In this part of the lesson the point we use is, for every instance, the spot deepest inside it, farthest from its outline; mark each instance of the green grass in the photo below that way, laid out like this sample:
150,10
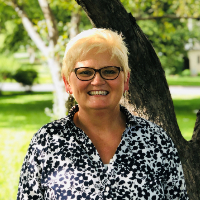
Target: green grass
186,108
183,80
23,114
20,117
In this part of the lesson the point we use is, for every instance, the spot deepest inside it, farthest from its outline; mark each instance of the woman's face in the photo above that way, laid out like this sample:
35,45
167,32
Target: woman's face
97,93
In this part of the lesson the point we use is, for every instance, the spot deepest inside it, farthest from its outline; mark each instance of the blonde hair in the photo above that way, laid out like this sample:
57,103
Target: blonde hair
100,40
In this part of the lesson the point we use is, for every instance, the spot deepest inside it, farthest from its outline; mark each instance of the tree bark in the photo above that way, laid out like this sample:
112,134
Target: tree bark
149,92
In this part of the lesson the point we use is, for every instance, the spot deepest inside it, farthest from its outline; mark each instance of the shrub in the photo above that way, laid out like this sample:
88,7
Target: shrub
172,64
185,72
25,76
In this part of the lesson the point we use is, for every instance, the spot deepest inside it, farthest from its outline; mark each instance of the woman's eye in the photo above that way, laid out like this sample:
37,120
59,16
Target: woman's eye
85,73
109,72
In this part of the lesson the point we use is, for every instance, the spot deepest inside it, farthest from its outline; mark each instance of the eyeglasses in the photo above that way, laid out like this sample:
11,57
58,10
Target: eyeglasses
88,73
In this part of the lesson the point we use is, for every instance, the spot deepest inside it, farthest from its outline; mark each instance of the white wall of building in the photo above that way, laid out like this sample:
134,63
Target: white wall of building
194,59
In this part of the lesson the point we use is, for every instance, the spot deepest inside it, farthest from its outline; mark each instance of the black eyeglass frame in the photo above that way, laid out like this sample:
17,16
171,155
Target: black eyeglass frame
97,70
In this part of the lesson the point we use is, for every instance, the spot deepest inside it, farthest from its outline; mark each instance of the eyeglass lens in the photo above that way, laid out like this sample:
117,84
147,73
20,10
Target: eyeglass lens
108,73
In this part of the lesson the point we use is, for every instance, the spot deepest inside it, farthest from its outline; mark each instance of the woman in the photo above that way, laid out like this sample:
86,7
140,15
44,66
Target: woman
100,150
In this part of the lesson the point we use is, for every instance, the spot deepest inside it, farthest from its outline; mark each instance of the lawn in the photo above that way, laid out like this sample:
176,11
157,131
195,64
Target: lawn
183,80
20,117
186,108
23,114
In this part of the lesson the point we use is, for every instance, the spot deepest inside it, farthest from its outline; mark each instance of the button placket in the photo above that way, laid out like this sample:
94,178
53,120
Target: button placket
108,179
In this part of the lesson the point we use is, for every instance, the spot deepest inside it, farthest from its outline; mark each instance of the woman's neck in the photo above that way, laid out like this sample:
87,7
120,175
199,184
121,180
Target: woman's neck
100,121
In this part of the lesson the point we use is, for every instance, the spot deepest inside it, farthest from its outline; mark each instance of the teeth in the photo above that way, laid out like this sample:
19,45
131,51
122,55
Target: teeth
98,93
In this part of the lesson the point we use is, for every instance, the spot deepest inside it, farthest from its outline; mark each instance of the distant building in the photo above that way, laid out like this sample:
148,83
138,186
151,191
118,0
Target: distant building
194,59
193,48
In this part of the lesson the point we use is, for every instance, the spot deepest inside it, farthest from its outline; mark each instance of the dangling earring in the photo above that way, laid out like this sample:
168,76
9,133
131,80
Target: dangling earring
70,96
70,102
125,96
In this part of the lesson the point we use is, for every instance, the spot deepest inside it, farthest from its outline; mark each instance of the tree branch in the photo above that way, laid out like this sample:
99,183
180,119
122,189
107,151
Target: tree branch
30,28
165,16
50,20
74,24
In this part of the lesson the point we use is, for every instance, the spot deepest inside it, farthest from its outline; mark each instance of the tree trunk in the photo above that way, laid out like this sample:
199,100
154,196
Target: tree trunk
59,108
149,92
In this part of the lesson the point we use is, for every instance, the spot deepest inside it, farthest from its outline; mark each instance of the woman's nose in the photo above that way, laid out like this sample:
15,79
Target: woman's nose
97,79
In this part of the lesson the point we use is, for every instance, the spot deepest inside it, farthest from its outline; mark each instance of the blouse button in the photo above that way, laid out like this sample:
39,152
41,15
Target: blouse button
107,189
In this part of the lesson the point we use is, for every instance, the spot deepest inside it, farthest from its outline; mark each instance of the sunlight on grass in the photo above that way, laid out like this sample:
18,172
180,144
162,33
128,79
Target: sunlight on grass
183,80
13,147
21,116
21,99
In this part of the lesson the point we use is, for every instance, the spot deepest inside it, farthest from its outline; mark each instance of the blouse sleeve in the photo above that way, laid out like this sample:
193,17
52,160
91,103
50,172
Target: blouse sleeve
30,176
174,187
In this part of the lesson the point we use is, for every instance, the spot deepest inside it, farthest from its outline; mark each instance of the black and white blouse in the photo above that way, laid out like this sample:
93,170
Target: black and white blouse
62,163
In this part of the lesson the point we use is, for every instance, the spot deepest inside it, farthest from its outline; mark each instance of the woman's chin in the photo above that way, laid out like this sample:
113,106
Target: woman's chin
100,105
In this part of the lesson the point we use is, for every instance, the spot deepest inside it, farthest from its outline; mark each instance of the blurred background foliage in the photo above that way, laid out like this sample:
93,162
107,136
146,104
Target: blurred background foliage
164,22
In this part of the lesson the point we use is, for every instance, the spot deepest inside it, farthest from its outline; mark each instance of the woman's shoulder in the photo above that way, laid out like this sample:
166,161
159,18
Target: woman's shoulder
144,123
149,131
56,124
60,128
139,122
51,129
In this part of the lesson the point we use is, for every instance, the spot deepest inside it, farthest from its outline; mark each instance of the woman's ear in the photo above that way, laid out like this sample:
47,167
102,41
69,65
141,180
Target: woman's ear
67,85
126,83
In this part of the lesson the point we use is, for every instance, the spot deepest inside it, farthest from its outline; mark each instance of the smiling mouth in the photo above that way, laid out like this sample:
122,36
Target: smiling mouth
98,93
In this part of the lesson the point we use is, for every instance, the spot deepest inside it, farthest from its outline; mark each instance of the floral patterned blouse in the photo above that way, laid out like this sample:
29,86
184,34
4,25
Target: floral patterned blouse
62,163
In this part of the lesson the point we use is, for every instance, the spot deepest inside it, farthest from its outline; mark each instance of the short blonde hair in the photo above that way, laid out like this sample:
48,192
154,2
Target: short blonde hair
101,40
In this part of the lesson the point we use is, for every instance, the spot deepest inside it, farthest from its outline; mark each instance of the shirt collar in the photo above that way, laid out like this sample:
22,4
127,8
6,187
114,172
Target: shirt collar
84,141
130,119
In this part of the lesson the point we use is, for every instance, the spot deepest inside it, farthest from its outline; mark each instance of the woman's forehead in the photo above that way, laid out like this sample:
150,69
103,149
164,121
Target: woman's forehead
97,59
